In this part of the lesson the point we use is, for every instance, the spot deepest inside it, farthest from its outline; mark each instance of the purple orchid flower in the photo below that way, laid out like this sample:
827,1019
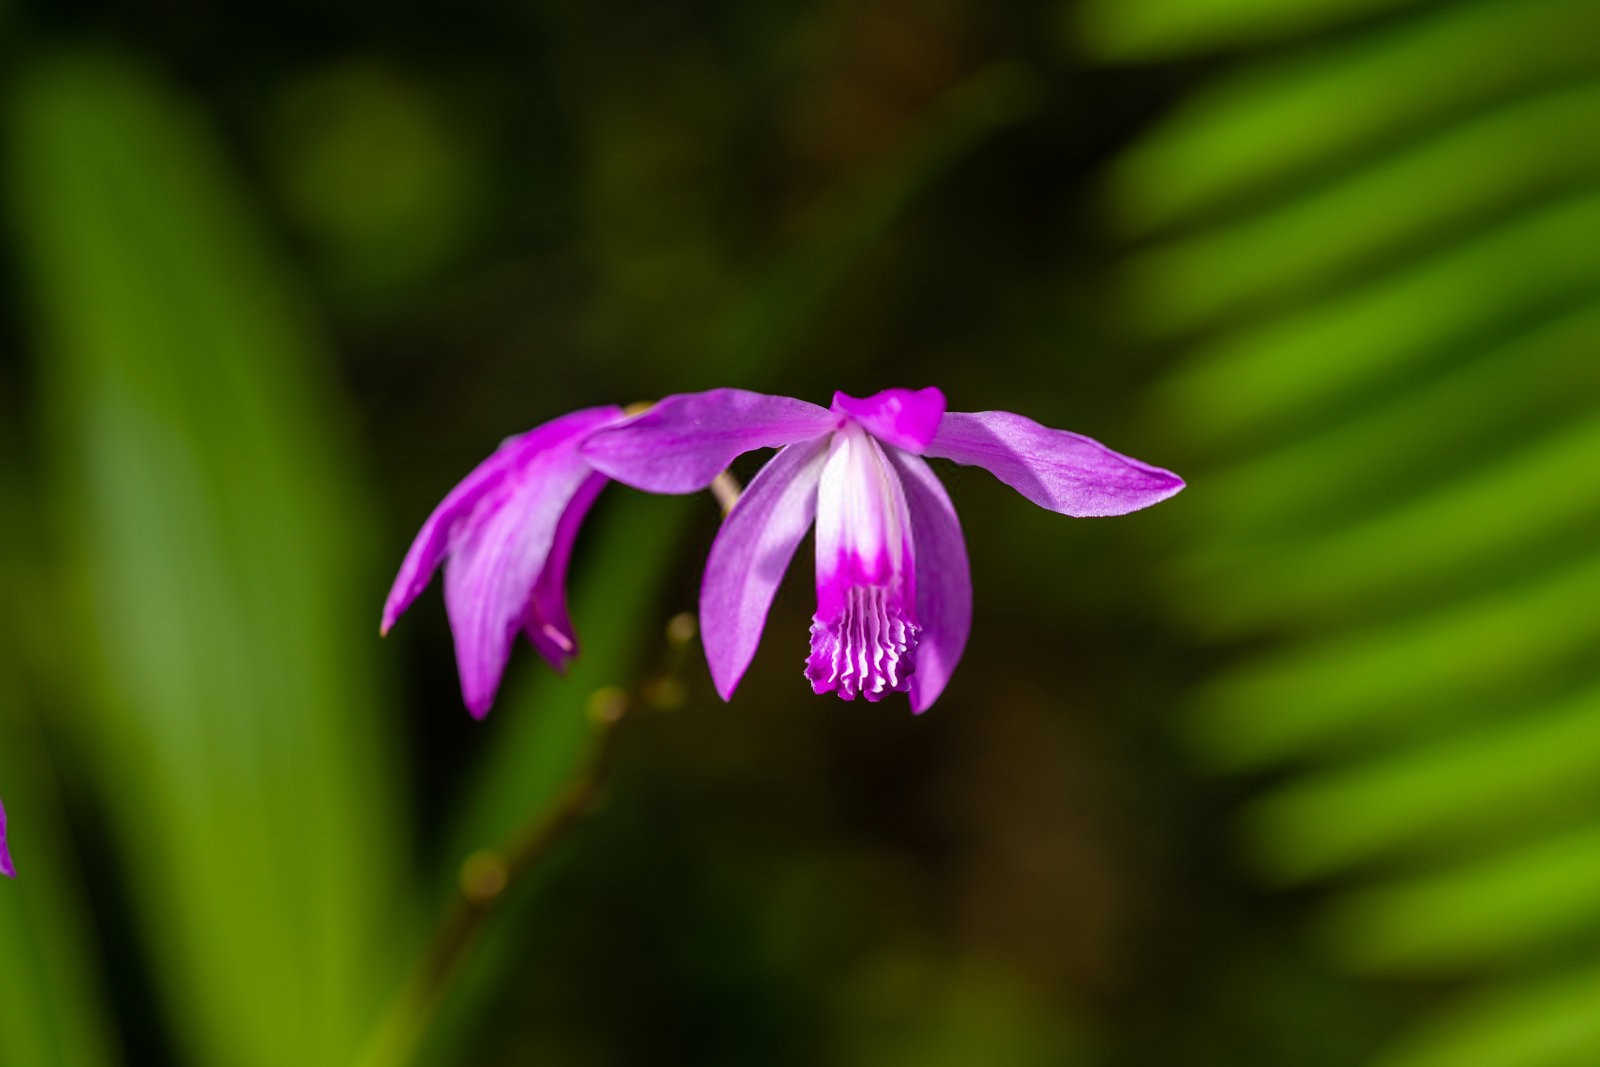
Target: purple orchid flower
7,868
894,594
505,535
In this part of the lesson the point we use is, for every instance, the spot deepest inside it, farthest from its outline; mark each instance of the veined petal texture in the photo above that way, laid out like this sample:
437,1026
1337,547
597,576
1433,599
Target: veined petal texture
1056,469
864,634
682,443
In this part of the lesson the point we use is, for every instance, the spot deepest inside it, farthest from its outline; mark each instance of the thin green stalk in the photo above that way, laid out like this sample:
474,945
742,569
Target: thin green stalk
485,877
487,874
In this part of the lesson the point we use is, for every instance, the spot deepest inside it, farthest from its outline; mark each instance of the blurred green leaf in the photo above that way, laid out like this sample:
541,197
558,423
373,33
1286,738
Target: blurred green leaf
1268,377
1402,445
1155,27
1375,259
1343,684
1342,101
1353,570
1502,770
52,1010
1499,161
215,535
1553,1022
1513,904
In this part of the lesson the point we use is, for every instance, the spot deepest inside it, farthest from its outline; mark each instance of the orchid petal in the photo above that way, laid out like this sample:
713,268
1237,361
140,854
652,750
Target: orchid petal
7,868
1056,469
944,581
750,555
489,577
497,557
442,528
682,443
905,418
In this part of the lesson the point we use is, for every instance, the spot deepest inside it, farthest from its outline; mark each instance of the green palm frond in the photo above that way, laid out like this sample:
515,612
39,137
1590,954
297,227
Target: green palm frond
1375,253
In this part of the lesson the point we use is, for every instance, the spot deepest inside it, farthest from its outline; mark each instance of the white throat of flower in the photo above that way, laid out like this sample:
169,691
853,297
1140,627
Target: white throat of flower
864,634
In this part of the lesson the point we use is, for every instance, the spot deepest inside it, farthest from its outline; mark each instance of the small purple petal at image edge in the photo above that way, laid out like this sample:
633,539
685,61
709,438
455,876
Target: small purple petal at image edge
894,592
504,536
7,868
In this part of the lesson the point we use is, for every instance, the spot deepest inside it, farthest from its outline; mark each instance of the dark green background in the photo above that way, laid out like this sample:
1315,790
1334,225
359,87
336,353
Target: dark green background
1301,767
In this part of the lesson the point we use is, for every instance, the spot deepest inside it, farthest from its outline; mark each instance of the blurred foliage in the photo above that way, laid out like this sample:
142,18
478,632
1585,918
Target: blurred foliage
180,362
1383,304
1297,768
385,182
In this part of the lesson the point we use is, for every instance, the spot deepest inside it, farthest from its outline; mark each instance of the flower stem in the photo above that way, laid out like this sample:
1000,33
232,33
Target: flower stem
485,876
725,487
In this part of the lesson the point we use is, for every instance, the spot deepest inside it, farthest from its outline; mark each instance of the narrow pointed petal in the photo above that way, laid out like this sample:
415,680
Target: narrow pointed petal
905,418
750,555
1056,469
7,868
548,625
682,443
865,631
442,527
497,559
944,581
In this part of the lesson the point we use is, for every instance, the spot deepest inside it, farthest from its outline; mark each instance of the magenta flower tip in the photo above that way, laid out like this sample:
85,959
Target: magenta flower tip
905,418
7,868
1063,471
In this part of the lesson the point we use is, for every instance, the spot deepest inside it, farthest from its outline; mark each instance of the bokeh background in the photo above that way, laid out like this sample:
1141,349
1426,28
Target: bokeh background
1301,767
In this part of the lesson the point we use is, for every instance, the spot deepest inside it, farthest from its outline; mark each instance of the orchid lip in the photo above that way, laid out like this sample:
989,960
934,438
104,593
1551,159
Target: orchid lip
867,648
864,633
